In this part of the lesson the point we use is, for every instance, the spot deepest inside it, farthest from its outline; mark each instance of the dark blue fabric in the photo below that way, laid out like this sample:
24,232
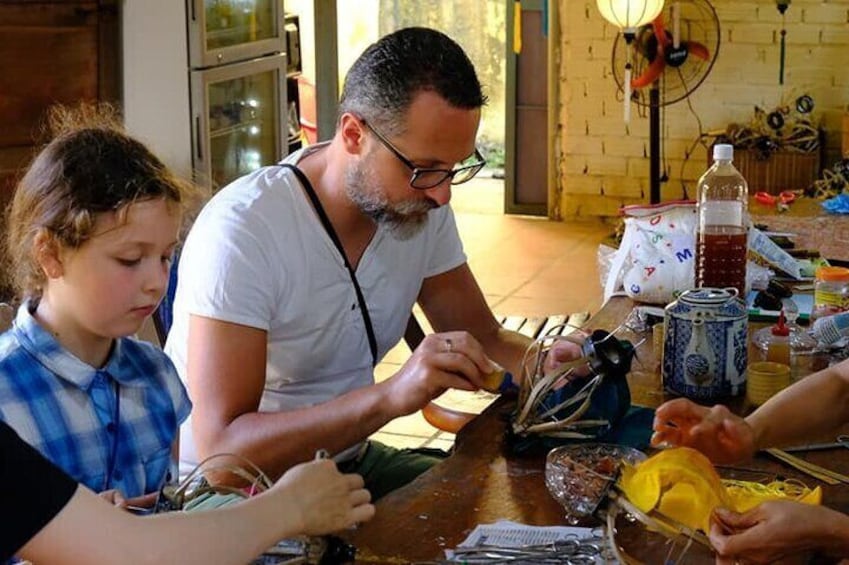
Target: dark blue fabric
633,430
165,312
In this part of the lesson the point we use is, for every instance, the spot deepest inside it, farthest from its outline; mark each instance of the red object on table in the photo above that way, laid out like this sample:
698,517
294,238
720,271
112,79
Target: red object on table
785,197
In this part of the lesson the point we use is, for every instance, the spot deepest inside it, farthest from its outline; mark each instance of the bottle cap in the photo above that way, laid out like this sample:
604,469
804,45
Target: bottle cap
780,329
723,151
838,274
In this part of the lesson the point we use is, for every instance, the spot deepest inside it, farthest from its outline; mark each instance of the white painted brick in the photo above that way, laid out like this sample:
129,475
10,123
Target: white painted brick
582,145
586,68
627,146
579,114
738,12
638,168
766,74
807,75
679,147
768,13
575,165
836,35
578,28
627,187
829,56
600,50
751,33
692,168
746,93
606,165
588,205
582,184
591,104
826,13
608,126
806,35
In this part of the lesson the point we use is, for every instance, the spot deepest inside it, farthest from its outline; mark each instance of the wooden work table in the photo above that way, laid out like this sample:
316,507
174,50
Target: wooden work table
813,226
483,482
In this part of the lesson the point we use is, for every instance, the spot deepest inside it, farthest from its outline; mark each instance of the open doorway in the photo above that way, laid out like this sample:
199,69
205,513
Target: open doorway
479,26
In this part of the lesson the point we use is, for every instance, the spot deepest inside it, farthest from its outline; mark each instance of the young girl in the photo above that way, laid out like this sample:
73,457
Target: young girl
90,234
55,521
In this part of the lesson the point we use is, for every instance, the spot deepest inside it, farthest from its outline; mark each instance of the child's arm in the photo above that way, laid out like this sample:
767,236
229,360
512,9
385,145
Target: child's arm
312,498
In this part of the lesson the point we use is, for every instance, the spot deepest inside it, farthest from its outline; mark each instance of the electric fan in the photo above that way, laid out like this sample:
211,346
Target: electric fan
670,58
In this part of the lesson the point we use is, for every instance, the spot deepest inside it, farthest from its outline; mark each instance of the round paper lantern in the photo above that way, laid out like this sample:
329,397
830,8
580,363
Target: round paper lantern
629,14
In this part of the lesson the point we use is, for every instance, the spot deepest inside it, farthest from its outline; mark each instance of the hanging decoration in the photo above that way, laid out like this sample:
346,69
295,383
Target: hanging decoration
628,15
782,8
517,26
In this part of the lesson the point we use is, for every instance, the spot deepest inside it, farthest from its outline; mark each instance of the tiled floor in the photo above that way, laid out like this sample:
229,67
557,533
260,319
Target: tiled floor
525,266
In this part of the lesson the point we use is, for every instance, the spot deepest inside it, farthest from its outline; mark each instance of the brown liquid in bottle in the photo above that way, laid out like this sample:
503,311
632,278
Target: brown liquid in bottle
722,233
721,258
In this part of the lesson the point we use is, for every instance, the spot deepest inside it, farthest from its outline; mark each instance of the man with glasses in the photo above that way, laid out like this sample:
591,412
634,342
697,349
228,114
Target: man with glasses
296,279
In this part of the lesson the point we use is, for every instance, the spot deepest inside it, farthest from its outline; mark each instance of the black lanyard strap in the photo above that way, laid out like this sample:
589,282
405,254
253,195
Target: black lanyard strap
328,227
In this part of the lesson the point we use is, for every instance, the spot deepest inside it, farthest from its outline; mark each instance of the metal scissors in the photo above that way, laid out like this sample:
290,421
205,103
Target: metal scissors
568,551
840,441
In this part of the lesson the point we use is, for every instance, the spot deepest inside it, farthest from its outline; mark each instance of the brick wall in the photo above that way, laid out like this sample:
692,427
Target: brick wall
603,163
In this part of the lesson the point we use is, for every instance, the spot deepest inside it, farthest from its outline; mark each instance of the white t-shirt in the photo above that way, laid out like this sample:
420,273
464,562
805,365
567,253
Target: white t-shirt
257,255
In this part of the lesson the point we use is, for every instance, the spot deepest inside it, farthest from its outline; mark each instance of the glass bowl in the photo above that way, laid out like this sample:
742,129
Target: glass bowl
578,476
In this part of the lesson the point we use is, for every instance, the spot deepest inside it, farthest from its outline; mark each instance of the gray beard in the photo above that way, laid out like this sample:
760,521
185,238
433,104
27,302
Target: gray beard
402,220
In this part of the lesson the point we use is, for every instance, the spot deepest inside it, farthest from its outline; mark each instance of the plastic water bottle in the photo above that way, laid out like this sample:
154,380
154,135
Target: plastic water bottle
831,329
722,232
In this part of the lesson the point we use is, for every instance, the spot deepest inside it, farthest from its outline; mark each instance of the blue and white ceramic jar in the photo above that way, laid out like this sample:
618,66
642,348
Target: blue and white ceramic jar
705,344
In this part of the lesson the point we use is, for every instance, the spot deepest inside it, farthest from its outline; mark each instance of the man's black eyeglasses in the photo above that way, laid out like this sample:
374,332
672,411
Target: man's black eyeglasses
424,178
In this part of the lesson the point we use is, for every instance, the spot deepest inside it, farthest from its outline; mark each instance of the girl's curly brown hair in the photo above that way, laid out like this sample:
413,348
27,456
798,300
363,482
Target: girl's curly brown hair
89,167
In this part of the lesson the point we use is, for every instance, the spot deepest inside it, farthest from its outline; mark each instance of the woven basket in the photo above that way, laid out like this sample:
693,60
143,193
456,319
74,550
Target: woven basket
782,170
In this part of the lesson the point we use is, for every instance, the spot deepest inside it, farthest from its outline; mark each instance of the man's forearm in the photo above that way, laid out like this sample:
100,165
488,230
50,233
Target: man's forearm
275,441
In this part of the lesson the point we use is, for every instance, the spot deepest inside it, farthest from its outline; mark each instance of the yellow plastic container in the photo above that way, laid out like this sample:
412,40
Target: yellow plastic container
765,379
831,291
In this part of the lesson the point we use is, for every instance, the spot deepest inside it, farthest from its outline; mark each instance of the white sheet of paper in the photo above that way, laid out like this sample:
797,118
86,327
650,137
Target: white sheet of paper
513,534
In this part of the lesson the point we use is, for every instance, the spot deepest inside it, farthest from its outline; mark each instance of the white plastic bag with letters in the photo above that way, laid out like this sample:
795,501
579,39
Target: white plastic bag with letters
656,257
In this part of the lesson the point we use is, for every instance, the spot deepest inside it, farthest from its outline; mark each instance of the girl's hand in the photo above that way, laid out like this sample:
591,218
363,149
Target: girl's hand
139,504
325,499
113,497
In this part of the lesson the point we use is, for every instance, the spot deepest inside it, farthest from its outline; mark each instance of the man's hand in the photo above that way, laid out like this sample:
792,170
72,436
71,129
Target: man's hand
325,500
723,437
564,351
441,361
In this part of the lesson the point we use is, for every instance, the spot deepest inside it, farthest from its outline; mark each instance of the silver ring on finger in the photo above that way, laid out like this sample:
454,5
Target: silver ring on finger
449,345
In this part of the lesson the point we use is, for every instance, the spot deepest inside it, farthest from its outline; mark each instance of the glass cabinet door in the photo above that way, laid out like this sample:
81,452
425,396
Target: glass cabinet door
240,120
232,22
225,31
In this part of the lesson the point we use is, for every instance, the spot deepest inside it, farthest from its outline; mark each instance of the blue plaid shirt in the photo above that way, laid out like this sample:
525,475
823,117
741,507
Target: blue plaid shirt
107,428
